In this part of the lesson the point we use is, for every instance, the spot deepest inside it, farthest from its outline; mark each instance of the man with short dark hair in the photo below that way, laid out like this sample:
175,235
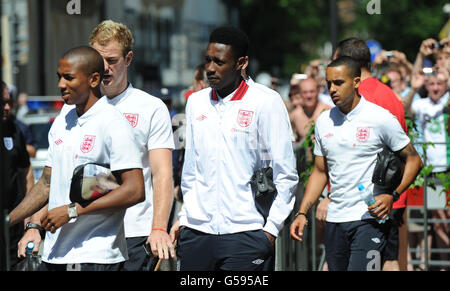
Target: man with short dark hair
380,94
347,141
376,91
84,237
234,128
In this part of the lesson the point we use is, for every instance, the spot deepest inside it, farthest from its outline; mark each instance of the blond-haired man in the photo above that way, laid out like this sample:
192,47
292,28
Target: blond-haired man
145,223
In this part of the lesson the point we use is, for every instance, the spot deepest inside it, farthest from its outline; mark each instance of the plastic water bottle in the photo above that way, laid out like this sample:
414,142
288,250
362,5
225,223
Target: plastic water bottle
29,249
368,198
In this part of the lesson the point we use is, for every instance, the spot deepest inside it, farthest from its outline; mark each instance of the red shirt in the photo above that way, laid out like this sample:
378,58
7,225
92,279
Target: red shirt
377,92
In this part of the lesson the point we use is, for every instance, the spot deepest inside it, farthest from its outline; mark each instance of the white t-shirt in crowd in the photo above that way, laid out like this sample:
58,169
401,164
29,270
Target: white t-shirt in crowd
431,118
100,135
350,143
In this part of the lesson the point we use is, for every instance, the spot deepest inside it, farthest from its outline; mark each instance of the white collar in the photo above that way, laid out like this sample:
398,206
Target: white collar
122,96
355,111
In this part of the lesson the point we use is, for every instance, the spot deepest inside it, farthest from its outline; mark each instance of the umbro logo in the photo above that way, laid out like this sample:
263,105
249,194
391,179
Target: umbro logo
258,262
58,141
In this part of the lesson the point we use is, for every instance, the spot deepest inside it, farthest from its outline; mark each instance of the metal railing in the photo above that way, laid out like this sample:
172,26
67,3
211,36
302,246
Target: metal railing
426,220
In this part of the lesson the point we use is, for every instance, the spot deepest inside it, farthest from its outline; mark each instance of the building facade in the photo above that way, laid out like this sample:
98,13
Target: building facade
170,36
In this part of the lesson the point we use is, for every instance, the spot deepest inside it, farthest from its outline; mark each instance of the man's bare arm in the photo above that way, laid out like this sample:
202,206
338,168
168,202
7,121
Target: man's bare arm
27,179
34,200
316,183
129,193
161,163
159,239
413,165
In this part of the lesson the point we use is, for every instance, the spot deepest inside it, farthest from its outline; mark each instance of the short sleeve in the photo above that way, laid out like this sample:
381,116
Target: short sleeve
161,135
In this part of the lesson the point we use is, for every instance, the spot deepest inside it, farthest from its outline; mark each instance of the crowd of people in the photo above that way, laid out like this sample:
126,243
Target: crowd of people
237,149
422,89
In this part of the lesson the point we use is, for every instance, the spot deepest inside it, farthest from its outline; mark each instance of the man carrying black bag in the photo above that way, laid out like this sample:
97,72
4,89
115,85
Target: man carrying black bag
84,237
348,139
234,129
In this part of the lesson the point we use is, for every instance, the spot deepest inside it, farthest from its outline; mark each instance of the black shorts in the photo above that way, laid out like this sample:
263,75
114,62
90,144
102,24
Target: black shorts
242,251
355,245
138,259
392,246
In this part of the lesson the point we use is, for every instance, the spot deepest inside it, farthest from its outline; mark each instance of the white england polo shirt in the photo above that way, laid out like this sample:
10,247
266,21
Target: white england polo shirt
152,129
100,135
227,139
350,143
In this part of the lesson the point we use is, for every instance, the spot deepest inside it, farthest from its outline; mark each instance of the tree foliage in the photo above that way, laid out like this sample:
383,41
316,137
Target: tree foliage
285,34
402,24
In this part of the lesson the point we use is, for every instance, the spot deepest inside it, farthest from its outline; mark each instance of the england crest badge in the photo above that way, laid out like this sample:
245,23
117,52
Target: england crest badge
363,134
245,118
88,143
9,143
132,118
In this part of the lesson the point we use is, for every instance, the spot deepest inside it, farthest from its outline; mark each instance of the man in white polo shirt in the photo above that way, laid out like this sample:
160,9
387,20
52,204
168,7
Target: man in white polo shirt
233,129
145,223
89,237
348,139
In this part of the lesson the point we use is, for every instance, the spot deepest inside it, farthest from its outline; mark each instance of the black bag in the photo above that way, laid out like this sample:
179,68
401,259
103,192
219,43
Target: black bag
388,171
31,262
264,190
91,181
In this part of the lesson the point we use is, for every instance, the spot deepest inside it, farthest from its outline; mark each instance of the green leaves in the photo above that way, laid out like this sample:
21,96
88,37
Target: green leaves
286,34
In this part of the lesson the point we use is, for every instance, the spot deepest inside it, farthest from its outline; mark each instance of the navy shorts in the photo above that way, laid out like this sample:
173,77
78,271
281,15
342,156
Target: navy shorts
392,246
242,251
138,259
355,245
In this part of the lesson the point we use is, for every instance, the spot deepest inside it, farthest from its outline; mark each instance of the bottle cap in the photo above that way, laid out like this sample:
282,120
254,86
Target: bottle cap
30,245
361,187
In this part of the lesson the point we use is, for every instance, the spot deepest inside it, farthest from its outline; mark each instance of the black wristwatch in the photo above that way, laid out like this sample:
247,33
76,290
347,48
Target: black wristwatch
396,195
35,226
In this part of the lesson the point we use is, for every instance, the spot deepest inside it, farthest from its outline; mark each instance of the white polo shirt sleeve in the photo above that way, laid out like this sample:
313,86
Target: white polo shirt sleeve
392,134
51,143
317,138
276,135
160,134
49,161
